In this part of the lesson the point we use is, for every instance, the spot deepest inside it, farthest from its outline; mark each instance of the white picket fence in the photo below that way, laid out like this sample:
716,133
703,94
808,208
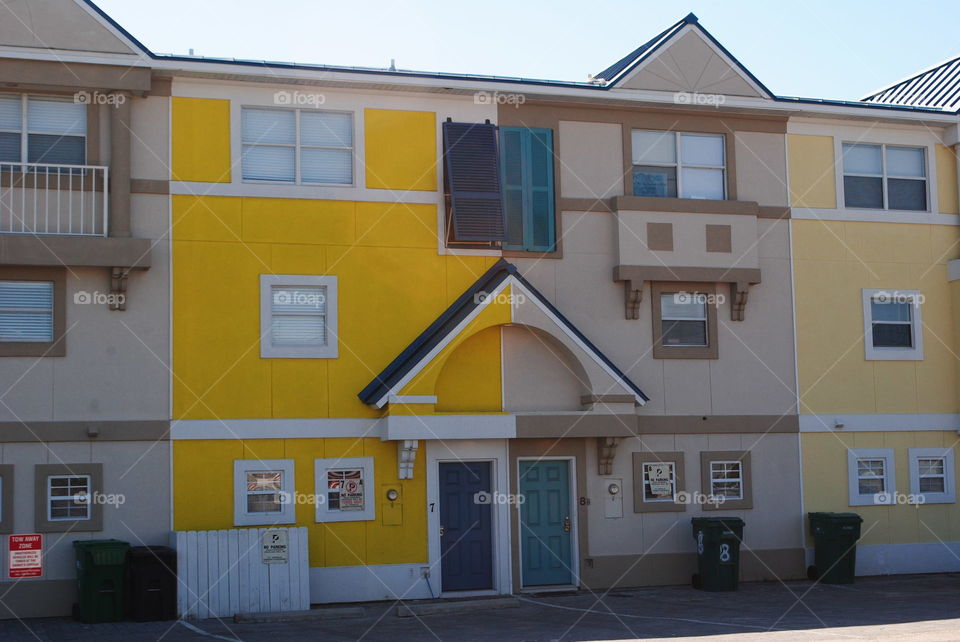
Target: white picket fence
221,573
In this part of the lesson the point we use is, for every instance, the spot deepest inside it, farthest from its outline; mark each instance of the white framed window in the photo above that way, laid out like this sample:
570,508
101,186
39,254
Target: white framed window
298,317
892,325
345,489
263,492
891,177
932,475
48,130
68,498
726,479
26,311
683,319
300,146
671,164
659,481
870,476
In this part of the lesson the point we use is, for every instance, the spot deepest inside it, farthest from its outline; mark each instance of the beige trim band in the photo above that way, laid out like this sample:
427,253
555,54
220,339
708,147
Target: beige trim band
576,425
75,251
149,186
48,74
638,273
85,431
716,424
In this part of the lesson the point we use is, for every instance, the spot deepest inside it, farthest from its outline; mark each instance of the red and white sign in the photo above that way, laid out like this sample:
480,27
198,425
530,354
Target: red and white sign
25,556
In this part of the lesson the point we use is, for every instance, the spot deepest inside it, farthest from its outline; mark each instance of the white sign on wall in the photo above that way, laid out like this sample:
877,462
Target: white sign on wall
276,549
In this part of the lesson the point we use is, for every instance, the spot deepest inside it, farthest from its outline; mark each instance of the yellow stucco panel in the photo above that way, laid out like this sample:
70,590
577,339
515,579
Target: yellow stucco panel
813,181
833,263
200,140
203,496
826,486
947,180
471,378
400,149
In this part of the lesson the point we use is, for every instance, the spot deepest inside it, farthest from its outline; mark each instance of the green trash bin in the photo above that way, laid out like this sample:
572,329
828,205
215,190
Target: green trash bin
835,538
101,566
718,552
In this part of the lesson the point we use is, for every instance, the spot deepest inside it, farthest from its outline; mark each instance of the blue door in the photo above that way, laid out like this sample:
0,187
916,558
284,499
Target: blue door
466,531
545,523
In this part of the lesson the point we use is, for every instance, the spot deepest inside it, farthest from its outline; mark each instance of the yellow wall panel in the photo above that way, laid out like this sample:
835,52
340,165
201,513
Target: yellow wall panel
203,483
947,180
471,377
200,140
205,218
812,171
400,150
292,220
397,225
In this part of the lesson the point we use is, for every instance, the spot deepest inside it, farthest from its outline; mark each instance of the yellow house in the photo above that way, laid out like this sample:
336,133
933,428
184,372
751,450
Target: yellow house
875,230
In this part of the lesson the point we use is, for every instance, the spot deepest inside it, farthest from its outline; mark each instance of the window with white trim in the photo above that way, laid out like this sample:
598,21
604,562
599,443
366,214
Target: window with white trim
345,489
48,130
683,319
870,476
300,146
263,492
671,164
68,498
26,311
892,328
726,479
932,475
298,317
659,481
891,177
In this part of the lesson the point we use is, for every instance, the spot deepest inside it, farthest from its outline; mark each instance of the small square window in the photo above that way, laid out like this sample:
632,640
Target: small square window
932,475
345,489
892,327
871,476
263,492
684,321
659,481
726,480
66,497
298,317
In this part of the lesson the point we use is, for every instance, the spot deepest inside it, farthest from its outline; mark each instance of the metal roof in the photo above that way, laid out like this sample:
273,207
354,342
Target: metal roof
937,88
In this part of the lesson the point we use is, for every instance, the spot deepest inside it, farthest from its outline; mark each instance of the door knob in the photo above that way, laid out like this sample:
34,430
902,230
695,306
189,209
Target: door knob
566,524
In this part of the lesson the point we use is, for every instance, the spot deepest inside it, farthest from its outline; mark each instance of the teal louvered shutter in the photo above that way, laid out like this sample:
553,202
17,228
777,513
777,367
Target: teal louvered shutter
527,162
472,179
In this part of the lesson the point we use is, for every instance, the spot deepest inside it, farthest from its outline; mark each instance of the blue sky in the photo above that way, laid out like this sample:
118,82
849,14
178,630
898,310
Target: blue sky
821,49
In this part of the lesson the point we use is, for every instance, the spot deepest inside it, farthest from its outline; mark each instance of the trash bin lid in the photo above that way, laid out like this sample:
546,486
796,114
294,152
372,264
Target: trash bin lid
100,544
151,551
836,517
717,522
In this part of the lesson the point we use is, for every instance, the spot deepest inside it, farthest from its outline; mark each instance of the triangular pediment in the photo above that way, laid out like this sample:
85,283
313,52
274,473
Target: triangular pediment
685,59
62,25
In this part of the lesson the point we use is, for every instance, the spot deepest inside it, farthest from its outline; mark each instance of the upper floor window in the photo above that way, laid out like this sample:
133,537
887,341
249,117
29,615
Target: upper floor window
51,131
297,146
527,168
884,177
672,164
26,311
892,327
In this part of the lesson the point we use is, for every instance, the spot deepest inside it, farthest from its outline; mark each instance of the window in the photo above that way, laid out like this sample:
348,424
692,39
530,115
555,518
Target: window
345,489
297,146
668,164
684,321
725,480
526,161
884,177
892,327
26,311
658,482
932,475
263,492
6,498
871,476
66,497
42,130
298,317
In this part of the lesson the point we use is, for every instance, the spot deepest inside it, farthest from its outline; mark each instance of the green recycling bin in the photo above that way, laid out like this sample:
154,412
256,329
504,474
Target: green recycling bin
101,566
835,538
718,552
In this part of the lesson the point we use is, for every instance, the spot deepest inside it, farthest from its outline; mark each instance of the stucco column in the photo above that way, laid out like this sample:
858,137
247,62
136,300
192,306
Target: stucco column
120,165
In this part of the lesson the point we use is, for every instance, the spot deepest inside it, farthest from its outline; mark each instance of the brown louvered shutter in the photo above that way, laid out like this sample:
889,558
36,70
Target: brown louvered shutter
472,181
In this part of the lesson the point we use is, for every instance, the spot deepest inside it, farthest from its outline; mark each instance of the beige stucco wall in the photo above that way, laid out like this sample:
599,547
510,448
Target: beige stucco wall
55,24
539,373
761,168
591,159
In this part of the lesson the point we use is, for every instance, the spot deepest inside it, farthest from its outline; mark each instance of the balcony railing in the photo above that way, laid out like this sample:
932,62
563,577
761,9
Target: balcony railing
66,200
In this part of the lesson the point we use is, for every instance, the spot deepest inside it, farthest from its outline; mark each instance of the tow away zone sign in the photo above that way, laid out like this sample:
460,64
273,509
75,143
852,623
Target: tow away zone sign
25,556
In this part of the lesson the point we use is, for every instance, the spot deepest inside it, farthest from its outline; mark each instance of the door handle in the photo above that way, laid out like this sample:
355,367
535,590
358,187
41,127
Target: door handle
442,531
566,524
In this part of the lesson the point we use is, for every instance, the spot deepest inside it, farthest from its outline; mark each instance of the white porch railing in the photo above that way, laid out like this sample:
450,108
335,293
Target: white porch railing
66,200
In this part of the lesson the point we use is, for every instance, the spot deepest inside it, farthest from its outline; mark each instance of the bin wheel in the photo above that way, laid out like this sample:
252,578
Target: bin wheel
813,573
695,581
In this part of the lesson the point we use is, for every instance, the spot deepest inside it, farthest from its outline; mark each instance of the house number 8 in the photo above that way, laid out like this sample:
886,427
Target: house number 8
724,552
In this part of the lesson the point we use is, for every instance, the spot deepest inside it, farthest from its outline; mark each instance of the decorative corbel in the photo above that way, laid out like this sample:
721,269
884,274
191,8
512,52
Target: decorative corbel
406,456
738,299
118,289
634,296
606,449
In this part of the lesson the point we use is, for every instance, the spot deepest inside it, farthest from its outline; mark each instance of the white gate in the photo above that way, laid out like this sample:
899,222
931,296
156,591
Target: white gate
222,573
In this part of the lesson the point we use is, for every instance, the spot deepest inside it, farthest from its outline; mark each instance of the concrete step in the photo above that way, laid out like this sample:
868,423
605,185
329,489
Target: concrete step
456,606
332,613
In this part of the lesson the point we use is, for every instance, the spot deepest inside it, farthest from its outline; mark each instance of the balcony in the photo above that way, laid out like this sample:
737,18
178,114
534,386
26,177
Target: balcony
58,200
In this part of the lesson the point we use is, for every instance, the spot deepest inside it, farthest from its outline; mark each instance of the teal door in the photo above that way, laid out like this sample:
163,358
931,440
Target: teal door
545,523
